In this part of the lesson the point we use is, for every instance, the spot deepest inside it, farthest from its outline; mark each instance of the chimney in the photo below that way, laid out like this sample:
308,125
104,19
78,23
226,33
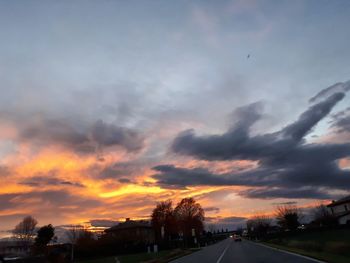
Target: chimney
127,219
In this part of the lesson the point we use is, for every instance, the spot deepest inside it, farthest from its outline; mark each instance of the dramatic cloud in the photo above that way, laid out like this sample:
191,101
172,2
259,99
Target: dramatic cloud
212,209
341,121
119,170
51,206
285,203
45,180
87,113
103,223
79,136
109,135
306,192
124,181
52,131
288,166
238,144
60,200
338,87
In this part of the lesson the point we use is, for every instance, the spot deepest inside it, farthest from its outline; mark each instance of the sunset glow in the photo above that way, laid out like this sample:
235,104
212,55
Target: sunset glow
107,109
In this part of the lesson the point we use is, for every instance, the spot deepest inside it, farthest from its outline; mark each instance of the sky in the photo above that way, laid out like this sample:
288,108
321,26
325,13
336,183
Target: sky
108,107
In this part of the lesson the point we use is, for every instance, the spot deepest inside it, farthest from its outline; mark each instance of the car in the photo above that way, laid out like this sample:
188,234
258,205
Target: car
237,238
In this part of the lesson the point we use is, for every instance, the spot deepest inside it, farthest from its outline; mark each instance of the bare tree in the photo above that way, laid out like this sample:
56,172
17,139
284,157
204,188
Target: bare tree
259,225
211,228
25,230
288,217
190,217
73,233
163,220
323,217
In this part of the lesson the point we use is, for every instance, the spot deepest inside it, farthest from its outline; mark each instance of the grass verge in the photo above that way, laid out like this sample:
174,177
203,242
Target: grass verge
330,245
320,255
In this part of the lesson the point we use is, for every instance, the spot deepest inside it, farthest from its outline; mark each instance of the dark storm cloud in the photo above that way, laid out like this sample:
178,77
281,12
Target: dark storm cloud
288,166
5,201
268,193
285,203
237,143
124,181
219,147
117,170
108,135
103,223
297,130
48,181
169,175
212,209
53,130
79,136
338,87
273,176
60,200
341,121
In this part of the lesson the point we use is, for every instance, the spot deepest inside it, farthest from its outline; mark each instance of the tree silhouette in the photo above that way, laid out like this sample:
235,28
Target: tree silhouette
25,230
288,217
258,226
86,243
73,233
190,215
323,217
163,220
211,228
44,236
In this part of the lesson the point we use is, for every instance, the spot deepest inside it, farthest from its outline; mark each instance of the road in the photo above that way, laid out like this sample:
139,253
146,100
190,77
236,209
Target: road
242,252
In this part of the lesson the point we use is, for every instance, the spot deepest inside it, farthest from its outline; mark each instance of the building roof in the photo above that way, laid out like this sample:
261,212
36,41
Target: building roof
341,201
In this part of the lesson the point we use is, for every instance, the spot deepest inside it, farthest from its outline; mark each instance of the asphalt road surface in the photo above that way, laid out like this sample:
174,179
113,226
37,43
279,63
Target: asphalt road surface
242,252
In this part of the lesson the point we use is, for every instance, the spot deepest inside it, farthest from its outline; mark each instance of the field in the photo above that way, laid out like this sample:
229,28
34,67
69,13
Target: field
332,245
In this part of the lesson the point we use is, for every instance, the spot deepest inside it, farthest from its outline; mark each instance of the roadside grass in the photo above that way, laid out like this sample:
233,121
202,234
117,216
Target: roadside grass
332,245
160,257
324,256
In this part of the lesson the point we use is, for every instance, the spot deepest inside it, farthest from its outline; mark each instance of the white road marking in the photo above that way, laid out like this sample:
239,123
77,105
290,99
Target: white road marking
290,253
223,253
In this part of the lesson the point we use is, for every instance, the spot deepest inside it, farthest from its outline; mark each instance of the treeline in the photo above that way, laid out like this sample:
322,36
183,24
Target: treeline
288,219
183,224
179,226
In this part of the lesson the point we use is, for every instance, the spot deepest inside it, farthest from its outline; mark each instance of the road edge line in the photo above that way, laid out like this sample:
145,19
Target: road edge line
288,252
223,253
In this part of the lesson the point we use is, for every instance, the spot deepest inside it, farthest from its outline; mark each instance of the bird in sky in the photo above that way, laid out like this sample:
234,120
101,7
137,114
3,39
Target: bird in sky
248,56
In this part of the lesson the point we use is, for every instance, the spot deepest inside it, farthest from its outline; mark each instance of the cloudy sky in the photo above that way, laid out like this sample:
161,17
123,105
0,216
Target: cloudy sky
107,107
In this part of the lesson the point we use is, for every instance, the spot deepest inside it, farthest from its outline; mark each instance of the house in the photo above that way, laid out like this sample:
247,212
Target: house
341,210
13,247
132,231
